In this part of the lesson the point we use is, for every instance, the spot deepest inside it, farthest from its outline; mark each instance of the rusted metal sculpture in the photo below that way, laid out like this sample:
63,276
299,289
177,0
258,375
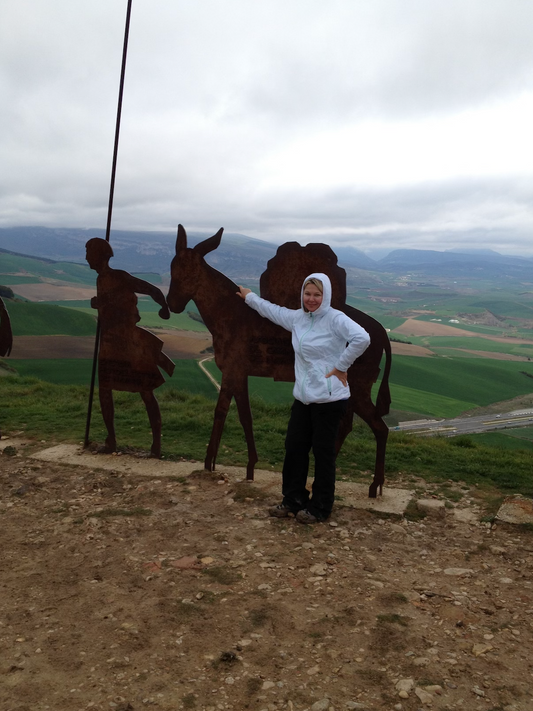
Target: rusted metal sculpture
6,334
129,356
246,344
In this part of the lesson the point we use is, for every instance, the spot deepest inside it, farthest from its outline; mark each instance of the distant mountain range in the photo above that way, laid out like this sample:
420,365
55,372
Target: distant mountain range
138,252
244,257
475,263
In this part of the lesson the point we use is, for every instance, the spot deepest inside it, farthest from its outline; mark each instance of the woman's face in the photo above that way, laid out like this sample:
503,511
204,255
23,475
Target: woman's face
312,297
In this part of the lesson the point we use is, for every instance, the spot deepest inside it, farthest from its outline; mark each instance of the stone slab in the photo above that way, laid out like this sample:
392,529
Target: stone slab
394,501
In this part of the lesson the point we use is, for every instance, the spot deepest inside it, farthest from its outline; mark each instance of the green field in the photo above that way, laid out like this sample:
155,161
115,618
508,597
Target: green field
265,389
426,403
11,264
10,279
474,344
520,438
63,371
30,319
77,318
478,381
436,387
77,371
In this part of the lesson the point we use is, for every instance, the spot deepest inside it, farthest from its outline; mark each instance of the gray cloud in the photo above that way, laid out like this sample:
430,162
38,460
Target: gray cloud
214,90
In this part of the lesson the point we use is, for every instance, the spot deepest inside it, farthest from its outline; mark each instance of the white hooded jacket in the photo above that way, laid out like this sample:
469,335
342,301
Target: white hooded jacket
322,340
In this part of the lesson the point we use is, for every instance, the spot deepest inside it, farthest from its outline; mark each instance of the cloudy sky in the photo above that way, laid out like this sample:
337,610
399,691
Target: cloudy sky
373,123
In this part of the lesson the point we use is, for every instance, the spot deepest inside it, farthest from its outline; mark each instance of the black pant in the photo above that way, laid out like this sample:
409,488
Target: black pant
315,427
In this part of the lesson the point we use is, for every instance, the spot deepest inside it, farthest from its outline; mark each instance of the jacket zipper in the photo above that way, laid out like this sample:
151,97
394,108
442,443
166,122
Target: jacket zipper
304,380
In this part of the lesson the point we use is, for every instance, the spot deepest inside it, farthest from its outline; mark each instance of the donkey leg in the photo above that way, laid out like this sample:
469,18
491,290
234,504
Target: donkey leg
366,410
245,416
345,427
381,433
221,410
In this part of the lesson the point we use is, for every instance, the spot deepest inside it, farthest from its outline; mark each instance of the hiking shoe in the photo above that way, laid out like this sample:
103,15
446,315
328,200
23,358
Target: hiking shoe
305,516
281,511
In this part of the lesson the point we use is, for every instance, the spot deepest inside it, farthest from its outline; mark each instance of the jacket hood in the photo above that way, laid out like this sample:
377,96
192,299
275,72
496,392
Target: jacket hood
326,297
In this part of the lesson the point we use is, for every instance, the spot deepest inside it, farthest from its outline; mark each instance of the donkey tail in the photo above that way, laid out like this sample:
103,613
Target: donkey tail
383,400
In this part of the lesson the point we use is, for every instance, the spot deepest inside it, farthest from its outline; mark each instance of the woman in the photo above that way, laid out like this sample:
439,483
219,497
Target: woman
326,342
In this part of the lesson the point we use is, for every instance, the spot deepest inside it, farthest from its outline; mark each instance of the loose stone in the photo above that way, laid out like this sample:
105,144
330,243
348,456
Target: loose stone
322,705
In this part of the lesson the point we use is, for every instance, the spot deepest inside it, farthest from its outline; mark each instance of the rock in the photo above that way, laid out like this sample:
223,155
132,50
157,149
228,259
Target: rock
186,562
432,507
318,569
421,661
459,572
497,550
355,705
479,649
434,689
465,515
268,685
425,697
322,705
405,685
477,691
396,528
313,670
516,509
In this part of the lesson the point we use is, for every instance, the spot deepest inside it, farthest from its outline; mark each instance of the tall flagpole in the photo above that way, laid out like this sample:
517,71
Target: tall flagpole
109,210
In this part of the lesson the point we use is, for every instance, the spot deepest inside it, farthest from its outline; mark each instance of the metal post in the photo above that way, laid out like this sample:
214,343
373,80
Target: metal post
109,209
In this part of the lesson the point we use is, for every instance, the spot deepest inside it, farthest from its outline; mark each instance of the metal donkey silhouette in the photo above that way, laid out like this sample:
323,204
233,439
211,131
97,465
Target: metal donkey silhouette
6,334
246,344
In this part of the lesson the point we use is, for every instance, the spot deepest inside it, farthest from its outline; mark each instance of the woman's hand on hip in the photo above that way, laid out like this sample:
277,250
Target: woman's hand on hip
342,376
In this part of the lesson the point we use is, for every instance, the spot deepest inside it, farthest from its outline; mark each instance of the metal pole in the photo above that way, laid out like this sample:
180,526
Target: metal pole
109,209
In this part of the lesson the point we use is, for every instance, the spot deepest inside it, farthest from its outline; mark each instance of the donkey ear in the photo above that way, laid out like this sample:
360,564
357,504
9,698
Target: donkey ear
181,239
209,244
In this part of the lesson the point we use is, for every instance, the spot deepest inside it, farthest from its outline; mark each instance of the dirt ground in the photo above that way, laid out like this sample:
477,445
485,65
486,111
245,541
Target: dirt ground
52,291
128,592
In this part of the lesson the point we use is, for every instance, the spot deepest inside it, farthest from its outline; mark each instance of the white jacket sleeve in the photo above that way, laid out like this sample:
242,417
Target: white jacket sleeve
277,314
356,337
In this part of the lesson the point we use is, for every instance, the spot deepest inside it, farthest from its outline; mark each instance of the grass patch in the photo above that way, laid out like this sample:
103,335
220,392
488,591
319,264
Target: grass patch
189,701
413,513
61,371
253,685
221,575
393,598
372,677
259,617
247,490
393,619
